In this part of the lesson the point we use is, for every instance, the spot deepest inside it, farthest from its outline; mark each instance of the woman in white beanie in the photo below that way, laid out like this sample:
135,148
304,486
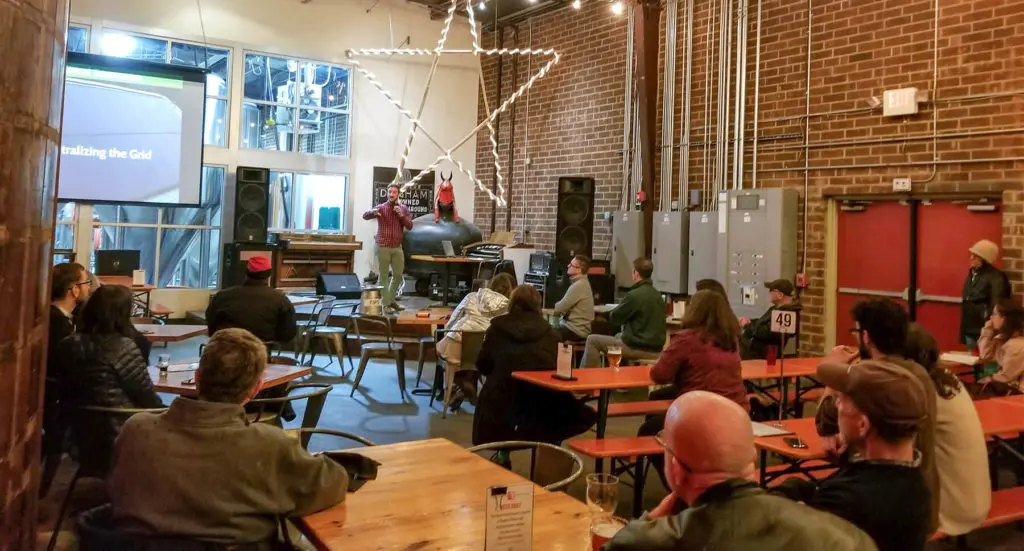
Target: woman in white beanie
984,287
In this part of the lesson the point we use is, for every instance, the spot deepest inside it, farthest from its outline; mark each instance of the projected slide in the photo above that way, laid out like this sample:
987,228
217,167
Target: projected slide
131,138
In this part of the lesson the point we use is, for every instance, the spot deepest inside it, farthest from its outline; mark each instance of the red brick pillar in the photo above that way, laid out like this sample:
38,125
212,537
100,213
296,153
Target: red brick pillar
32,40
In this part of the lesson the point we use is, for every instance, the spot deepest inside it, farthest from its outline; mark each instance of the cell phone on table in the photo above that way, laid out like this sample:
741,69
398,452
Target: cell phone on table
192,382
794,443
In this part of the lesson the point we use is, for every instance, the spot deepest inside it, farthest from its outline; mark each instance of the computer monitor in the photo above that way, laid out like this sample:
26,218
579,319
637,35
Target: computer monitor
117,262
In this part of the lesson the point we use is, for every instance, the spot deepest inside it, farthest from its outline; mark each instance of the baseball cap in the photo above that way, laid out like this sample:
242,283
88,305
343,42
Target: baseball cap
887,393
783,286
257,264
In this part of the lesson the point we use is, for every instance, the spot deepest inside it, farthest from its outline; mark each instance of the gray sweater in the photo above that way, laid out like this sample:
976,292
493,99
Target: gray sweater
576,309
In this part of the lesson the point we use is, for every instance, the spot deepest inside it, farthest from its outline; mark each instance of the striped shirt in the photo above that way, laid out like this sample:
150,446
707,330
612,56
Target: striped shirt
389,224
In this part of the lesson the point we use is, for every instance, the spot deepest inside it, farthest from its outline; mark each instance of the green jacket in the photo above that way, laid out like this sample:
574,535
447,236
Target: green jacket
736,515
641,315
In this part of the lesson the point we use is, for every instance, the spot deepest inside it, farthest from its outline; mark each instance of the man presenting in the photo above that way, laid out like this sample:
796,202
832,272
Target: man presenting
392,217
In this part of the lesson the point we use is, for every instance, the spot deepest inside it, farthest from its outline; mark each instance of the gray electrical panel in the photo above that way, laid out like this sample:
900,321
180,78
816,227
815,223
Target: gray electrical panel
627,244
703,260
756,244
669,254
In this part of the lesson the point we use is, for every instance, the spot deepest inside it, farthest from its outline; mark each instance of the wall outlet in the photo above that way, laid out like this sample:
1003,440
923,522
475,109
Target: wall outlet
901,185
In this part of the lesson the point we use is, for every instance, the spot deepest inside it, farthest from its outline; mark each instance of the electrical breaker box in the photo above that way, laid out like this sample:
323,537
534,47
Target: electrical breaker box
627,244
758,245
703,249
671,244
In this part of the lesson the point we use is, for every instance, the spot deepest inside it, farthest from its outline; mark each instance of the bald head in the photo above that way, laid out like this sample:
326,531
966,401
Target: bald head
711,435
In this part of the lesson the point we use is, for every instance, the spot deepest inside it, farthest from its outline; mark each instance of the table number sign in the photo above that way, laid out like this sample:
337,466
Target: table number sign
509,518
563,368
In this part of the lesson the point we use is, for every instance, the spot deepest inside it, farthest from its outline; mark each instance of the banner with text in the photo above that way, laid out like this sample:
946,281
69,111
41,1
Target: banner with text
419,198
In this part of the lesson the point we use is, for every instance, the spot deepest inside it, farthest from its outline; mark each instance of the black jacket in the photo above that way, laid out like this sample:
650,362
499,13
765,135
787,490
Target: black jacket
107,371
982,290
757,335
256,307
510,409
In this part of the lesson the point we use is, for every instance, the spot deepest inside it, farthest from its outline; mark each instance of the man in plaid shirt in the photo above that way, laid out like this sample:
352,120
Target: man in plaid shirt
392,216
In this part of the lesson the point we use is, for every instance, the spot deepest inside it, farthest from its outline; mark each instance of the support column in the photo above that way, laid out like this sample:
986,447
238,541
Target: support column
646,34
32,44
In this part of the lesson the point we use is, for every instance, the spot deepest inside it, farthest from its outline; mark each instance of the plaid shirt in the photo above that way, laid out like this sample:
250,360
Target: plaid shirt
389,225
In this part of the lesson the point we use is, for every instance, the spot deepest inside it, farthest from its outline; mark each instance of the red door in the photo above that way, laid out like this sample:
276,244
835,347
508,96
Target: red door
945,230
873,258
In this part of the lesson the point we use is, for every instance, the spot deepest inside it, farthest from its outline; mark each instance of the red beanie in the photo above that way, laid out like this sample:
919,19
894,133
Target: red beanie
257,264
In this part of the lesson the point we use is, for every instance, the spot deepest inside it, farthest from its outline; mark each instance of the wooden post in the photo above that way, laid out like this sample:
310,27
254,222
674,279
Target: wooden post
645,33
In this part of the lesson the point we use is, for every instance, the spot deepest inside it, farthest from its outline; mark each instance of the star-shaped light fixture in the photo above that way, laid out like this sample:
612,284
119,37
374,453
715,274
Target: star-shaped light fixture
446,153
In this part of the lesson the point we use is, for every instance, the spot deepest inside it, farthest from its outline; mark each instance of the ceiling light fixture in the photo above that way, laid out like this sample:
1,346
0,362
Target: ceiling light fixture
617,8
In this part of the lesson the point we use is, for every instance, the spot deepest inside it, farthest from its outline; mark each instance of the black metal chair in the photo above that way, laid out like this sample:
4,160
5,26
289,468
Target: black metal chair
376,345
305,435
472,342
335,336
268,410
121,413
546,460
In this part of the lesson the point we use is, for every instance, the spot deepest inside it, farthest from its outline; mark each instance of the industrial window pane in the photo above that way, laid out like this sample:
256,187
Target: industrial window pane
215,125
120,237
268,127
319,202
124,214
64,236
324,86
65,211
272,79
144,48
214,60
210,212
189,257
323,132
78,39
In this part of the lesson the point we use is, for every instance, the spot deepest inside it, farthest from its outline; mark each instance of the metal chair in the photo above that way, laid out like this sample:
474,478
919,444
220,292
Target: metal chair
89,410
305,434
336,336
268,410
472,341
377,346
543,456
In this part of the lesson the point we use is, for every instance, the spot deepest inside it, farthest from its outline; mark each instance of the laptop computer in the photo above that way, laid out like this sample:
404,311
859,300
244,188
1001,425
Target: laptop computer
449,250
117,262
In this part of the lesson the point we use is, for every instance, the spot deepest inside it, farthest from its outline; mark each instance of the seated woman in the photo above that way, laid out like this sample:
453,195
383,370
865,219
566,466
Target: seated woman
509,409
103,367
704,355
474,313
1002,342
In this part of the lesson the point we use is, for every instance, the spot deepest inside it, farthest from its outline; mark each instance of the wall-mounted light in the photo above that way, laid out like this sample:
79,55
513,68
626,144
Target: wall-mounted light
617,7
576,4
481,6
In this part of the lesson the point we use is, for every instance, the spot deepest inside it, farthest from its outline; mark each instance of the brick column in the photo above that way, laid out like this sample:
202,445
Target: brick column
32,42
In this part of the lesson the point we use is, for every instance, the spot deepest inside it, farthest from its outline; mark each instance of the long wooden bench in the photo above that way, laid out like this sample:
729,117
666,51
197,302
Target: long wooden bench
160,312
1007,507
631,450
634,409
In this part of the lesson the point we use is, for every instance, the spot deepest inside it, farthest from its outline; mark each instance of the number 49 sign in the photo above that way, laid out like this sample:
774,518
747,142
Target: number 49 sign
783,321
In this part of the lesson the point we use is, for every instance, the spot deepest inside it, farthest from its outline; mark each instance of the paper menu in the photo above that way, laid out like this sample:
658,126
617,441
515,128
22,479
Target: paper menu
564,366
509,518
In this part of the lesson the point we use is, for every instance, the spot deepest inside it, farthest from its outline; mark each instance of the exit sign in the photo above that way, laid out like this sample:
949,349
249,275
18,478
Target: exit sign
899,102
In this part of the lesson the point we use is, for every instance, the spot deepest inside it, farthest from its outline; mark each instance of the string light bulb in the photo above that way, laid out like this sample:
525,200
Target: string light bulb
617,8
576,4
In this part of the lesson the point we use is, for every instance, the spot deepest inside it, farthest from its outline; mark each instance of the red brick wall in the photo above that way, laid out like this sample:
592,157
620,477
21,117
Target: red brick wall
858,50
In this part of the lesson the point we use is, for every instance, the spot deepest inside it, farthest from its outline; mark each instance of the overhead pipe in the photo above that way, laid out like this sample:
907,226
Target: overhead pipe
897,165
721,132
807,138
668,103
526,132
684,136
876,141
708,51
739,103
935,96
757,94
727,140
627,122
512,134
499,39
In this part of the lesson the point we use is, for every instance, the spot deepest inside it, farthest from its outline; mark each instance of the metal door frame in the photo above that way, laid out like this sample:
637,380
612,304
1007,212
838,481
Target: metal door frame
832,248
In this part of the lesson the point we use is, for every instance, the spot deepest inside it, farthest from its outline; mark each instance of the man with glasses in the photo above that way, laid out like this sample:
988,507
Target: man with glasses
709,463
576,309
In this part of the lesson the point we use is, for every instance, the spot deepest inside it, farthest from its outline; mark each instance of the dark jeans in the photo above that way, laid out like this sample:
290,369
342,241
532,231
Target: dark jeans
653,424
568,335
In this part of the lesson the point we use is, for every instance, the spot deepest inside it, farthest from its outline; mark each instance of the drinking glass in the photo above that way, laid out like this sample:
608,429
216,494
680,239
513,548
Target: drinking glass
614,355
602,493
603,528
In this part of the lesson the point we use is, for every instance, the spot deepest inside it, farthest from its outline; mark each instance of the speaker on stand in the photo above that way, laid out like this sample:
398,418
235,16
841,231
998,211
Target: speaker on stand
252,204
574,228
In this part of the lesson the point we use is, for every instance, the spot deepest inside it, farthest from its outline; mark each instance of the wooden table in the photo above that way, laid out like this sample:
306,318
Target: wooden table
140,293
781,372
430,496
447,262
276,374
170,333
437,316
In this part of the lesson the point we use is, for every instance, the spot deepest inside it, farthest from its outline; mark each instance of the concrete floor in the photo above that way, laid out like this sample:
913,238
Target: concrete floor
378,412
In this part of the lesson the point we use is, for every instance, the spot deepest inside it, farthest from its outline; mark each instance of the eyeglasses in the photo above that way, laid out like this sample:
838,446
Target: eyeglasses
660,439
86,282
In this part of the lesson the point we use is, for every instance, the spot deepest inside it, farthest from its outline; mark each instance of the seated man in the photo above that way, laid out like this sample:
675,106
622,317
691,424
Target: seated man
882,489
641,315
576,309
254,306
757,334
201,470
709,463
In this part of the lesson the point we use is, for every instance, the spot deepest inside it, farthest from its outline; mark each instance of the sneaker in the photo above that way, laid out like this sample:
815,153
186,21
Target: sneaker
396,307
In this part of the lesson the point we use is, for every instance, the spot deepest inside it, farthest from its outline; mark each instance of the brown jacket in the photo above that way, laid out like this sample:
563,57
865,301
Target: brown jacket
200,470
826,420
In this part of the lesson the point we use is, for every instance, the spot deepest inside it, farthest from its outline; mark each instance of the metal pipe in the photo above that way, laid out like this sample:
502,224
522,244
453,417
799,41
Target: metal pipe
512,135
727,23
952,99
708,50
807,136
738,102
668,103
897,165
684,136
721,133
757,93
499,39
935,95
627,123
526,134
896,139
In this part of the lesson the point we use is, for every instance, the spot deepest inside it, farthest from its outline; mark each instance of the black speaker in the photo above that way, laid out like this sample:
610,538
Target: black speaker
342,286
236,255
557,283
574,230
252,204
603,287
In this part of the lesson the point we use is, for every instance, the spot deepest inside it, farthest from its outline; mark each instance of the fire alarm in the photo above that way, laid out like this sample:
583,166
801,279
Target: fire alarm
801,280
